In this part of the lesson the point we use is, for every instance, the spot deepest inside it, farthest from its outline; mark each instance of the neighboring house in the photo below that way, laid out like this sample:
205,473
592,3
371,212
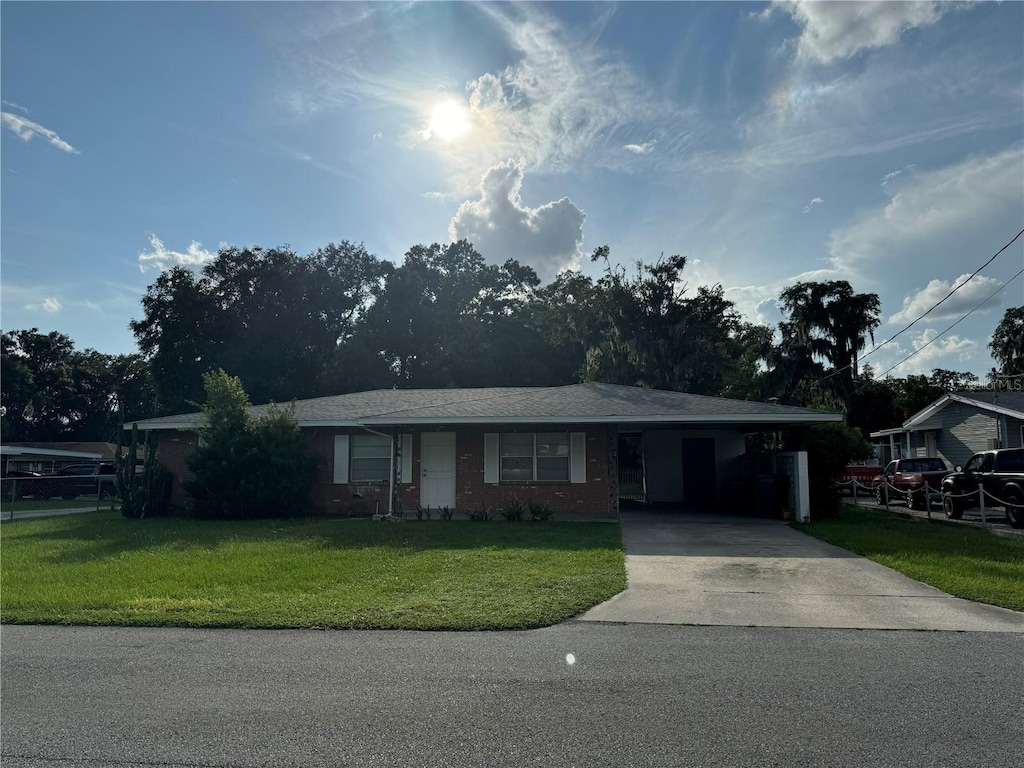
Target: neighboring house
51,457
956,426
560,446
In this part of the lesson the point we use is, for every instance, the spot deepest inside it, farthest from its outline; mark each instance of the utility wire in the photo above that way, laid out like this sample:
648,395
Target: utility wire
954,325
928,312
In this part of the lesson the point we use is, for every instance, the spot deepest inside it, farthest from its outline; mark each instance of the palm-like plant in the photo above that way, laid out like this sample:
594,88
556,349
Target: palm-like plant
828,322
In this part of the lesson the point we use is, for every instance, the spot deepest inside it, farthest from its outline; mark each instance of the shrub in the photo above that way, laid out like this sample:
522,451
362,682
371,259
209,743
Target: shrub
830,447
481,515
245,467
424,513
540,513
513,512
446,513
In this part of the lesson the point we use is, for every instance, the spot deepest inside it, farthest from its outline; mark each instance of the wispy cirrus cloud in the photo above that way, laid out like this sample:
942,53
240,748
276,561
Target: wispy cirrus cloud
814,201
641,149
937,211
12,105
162,258
26,130
892,175
559,98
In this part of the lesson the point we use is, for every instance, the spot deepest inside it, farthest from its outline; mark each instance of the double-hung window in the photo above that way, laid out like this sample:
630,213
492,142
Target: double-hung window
541,456
371,459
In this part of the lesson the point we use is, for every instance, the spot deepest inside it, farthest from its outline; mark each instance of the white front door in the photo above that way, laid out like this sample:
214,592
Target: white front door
437,470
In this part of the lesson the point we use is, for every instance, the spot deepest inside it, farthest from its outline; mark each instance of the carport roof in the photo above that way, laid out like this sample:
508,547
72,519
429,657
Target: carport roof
591,402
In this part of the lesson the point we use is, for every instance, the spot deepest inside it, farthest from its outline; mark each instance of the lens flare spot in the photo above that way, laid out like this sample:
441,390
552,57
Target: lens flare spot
570,659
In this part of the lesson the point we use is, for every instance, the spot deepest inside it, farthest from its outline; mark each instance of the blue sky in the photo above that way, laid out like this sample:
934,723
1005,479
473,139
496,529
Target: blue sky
880,143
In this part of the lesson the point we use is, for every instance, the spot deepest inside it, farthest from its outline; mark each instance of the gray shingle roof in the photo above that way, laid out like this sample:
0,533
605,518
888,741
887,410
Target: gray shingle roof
577,403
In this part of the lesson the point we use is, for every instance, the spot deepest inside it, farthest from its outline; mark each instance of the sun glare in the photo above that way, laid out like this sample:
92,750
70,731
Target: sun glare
449,121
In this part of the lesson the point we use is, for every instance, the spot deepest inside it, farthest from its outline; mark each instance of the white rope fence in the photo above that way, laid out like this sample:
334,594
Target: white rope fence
927,491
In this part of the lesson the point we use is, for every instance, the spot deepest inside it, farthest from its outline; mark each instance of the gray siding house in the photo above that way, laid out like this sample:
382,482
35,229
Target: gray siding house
956,426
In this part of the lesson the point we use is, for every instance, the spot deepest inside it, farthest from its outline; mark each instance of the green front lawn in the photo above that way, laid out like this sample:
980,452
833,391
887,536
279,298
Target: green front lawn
959,559
102,569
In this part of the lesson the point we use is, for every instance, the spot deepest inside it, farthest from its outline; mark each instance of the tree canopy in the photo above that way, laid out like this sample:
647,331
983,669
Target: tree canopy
51,391
1007,344
340,319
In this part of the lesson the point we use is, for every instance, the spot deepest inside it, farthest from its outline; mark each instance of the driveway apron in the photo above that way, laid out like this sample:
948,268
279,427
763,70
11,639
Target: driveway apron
691,568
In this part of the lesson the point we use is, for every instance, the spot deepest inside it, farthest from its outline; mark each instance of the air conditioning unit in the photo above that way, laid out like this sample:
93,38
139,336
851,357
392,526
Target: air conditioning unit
993,443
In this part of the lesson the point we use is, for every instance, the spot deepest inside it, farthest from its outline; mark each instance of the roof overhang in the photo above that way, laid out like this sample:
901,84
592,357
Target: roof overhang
912,423
24,450
755,420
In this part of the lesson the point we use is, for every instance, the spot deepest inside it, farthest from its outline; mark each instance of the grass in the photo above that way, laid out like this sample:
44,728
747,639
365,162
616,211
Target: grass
97,568
962,560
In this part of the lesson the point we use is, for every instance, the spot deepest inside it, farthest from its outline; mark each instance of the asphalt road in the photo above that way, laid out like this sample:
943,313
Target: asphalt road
637,695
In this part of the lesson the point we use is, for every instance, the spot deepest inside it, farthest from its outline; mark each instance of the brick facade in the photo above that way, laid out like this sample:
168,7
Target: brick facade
598,497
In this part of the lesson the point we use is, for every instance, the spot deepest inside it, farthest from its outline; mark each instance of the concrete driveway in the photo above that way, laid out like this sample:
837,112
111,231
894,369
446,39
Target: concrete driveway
689,568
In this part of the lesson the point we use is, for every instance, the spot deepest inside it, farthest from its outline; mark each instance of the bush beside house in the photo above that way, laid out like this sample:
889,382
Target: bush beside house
245,467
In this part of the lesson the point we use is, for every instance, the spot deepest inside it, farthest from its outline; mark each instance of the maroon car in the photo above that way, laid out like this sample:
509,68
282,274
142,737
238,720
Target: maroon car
905,479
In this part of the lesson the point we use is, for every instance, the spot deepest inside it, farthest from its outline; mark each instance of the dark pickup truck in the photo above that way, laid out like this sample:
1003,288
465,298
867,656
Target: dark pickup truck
999,474
906,479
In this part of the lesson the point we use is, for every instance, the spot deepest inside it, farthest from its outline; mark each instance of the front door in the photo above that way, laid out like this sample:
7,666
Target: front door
699,489
437,470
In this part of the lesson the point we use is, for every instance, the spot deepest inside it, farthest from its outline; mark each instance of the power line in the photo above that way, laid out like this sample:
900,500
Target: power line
954,325
929,311
955,289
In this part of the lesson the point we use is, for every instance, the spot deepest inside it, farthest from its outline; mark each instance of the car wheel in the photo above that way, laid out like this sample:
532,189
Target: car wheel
950,508
1015,510
69,496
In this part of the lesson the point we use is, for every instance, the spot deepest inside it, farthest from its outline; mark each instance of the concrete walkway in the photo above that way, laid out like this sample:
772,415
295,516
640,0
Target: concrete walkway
688,568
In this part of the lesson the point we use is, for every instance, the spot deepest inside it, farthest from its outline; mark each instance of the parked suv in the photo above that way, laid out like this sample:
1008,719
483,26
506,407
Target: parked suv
998,474
87,480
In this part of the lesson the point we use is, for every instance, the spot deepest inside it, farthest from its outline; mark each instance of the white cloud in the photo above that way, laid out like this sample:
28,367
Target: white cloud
159,257
12,105
948,352
814,201
565,97
898,172
942,211
26,130
641,149
547,237
839,30
49,304
961,302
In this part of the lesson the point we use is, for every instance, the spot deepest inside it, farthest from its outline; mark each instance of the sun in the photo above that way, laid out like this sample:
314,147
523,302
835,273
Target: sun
449,121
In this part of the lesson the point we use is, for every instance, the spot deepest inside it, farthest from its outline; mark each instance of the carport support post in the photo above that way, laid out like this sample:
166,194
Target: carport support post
927,500
981,496
853,482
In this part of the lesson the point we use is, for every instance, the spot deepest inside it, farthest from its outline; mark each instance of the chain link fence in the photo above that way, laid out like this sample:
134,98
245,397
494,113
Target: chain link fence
29,496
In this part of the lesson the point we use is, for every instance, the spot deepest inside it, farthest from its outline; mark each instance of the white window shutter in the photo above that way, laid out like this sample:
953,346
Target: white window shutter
491,471
578,457
406,471
341,458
